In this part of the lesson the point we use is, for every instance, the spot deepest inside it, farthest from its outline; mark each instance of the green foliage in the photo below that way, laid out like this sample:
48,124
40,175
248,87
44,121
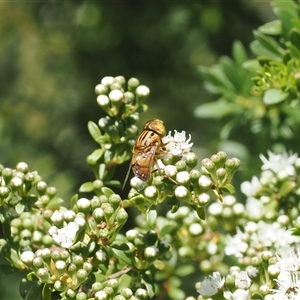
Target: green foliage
263,92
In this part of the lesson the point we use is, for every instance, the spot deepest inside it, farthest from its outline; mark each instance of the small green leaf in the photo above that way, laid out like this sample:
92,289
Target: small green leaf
200,212
47,292
124,282
86,187
185,270
107,191
151,217
96,154
29,290
239,53
122,256
216,110
274,96
74,200
286,188
271,28
55,202
19,208
120,246
228,188
295,37
94,130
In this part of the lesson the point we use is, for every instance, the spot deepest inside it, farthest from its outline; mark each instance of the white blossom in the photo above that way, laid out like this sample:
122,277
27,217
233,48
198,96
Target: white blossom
250,189
65,236
178,144
280,163
210,285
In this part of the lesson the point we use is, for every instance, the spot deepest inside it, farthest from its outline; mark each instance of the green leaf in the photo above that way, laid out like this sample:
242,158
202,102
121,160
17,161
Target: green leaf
269,44
55,202
231,71
151,217
101,171
293,50
271,28
86,187
228,188
19,208
200,212
252,65
47,292
295,37
74,200
274,96
29,290
120,246
94,130
185,270
286,188
107,191
216,110
239,53
122,256
96,154
124,282
149,284
259,50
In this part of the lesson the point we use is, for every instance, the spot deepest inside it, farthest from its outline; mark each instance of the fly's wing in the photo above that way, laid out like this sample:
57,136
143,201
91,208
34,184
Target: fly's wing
142,162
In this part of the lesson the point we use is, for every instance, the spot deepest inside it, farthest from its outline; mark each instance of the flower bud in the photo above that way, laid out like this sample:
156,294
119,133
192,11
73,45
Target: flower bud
83,205
22,167
183,177
101,89
203,199
133,83
181,192
208,164
43,274
151,192
121,216
41,187
100,295
107,80
205,182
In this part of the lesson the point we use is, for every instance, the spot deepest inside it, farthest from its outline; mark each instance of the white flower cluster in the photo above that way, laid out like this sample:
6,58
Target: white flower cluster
260,237
177,144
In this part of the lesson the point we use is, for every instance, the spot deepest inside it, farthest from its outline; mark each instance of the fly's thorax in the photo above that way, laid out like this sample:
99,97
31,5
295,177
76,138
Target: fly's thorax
156,126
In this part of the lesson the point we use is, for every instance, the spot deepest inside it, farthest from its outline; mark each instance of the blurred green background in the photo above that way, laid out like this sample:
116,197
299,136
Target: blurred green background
53,54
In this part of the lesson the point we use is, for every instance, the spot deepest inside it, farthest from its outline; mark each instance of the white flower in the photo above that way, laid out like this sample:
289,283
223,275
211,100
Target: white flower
242,280
210,286
238,294
236,245
279,163
250,189
178,144
255,208
65,236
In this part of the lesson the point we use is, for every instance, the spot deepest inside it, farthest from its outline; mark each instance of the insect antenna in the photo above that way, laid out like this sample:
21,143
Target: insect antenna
126,177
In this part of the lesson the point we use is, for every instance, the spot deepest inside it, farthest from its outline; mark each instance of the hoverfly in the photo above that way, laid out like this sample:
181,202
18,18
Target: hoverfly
148,145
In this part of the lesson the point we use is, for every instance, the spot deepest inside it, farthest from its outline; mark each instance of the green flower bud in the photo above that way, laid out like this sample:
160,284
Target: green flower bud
107,80
101,295
183,177
55,255
7,174
181,192
83,205
43,274
87,266
195,229
97,286
141,294
57,218
114,283
101,256
4,192
191,159
101,89
208,164
129,97
69,215
78,260
132,234
151,192
45,199
120,297
60,266
27,257
81,296
232,164
29,177
151,252
37,237
203,199
115,200
273,270
98,215
95,202
222,157
51,191
71,294
126,292
108,210
47,213
205,182
121,216
142,93
181,165
25,234
108,290
22,167
133,83
221,174
41,187
81,274
16,183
